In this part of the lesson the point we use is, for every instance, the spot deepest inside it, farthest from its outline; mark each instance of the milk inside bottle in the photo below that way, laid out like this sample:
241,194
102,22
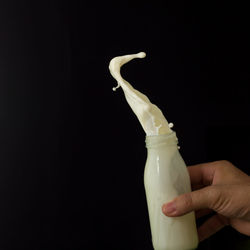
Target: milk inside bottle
165,175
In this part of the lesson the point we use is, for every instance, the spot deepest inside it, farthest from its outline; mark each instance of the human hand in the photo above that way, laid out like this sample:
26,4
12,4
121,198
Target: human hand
218,186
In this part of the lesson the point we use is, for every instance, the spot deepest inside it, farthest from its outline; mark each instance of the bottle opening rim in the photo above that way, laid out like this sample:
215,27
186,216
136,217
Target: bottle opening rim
156,141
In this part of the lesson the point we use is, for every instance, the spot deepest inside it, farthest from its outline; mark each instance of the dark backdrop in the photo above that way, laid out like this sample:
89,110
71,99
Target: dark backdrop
72,152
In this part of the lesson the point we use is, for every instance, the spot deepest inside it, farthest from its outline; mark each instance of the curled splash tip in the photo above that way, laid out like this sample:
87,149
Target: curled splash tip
141,54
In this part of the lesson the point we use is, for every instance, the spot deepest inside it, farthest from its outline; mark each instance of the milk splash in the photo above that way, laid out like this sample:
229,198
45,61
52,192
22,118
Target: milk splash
148,114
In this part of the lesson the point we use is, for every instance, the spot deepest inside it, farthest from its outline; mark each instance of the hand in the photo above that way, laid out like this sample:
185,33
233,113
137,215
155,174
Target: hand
221,187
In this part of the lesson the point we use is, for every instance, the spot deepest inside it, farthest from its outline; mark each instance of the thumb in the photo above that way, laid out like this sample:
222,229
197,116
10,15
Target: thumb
188,202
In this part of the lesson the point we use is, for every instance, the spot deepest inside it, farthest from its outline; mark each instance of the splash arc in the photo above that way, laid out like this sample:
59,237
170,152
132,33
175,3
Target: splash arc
148,114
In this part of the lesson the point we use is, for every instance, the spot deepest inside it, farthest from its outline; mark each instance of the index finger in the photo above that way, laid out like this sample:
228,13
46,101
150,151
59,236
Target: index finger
202,174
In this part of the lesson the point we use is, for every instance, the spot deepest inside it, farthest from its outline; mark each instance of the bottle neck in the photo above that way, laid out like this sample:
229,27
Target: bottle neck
160,141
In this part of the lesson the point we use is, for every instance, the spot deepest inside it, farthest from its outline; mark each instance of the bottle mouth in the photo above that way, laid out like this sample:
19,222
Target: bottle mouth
156,141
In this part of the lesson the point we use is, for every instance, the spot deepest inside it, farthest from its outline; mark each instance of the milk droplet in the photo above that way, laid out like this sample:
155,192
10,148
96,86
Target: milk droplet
170,125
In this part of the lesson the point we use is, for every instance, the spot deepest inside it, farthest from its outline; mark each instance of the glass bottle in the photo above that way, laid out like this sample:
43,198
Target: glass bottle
166,177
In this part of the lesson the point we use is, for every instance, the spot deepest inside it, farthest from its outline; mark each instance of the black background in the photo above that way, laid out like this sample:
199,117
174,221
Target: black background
72,153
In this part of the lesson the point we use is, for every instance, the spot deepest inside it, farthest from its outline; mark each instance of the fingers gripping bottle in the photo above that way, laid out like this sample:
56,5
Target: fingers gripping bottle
165,175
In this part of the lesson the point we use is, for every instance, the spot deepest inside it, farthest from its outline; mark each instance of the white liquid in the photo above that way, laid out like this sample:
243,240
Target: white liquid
165,175
149,115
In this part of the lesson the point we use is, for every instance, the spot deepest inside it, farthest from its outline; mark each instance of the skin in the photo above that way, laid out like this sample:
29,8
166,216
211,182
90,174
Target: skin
217,187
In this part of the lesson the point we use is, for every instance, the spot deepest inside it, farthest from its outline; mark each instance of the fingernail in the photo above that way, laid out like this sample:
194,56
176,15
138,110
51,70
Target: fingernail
169,208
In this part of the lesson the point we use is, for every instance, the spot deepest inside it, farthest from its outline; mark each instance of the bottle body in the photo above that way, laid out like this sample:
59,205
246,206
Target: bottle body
166,177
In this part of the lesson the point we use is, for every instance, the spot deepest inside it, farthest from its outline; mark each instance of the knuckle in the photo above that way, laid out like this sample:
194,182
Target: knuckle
213,196
225,163
220,163
223,166
187,200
